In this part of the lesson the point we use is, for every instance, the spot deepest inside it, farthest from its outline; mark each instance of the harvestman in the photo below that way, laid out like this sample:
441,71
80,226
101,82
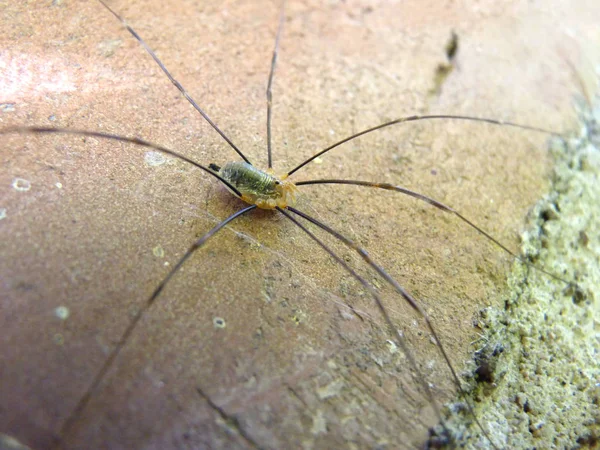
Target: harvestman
267,190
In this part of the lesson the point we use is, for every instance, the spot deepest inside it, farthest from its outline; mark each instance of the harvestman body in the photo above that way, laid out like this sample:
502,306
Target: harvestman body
264,189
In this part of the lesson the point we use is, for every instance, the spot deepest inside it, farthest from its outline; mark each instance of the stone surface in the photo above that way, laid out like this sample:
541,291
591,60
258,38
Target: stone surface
541,349
250,344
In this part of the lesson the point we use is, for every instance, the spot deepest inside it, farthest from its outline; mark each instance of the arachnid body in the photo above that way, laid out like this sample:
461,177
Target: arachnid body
259,188
251,343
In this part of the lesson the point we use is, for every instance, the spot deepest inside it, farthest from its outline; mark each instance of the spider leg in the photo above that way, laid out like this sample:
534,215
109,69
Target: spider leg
393,330
85,398
440,206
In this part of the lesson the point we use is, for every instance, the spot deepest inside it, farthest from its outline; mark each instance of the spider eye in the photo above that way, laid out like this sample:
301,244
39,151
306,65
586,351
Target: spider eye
277,182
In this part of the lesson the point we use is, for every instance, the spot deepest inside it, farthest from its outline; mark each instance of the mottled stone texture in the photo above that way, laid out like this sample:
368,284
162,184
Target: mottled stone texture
540,351
251,345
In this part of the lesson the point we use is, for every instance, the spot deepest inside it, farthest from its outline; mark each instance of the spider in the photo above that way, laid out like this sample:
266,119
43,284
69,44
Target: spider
242,314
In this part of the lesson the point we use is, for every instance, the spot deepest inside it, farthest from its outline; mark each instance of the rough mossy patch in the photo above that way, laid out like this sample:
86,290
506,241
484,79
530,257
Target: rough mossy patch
535,381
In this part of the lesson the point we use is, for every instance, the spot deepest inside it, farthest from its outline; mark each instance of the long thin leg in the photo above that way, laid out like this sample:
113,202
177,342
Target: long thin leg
439,205
428,117
115,137
392,329
175,82
413,303
83,401
270,82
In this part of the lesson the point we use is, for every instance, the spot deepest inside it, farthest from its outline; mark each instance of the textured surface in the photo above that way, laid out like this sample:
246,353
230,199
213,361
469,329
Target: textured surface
541,351
92,227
